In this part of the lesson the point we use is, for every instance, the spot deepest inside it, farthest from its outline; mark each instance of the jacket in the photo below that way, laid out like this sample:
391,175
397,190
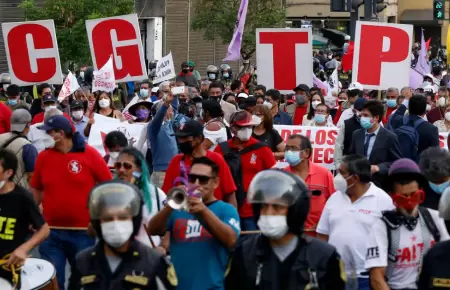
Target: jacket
254,257
141,268
435,273
16,146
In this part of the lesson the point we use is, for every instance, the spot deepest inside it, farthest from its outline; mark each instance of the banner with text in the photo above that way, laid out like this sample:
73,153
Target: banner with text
103,125
164,69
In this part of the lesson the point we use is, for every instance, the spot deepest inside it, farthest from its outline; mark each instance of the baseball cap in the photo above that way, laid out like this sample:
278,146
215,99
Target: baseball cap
244,119
190,128
56,123
20,118
301,87
355,86
242,95
155,89
48,98
76,104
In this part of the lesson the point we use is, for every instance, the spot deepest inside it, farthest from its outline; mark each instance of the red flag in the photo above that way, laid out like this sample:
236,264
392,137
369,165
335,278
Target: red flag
347,59
428,43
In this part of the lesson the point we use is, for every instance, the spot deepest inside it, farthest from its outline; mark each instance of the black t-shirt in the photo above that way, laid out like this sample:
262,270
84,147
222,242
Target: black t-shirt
271,138
18,210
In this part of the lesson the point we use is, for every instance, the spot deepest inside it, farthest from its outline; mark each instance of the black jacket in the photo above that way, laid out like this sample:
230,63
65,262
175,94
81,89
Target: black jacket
294,273
141,268
435,273
428,134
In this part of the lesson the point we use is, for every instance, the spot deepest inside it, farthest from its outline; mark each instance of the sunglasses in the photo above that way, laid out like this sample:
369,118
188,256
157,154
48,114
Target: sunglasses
126,165
202,179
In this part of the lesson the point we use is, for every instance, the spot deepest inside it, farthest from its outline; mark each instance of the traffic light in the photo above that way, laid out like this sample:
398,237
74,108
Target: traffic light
438,9
379,6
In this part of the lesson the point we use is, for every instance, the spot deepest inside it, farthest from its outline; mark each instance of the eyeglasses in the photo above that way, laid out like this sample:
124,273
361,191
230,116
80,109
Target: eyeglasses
126,165
202,179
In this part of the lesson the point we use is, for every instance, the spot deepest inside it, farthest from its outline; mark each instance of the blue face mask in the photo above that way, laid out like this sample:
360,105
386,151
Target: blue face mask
439,188
391,103
365,122
319,118
292,157
226,75
13,102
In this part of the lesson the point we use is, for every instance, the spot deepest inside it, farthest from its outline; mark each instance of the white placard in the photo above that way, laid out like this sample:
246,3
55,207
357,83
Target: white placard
164,69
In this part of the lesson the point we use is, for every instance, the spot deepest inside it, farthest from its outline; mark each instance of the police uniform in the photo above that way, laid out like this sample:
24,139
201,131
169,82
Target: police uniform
141,268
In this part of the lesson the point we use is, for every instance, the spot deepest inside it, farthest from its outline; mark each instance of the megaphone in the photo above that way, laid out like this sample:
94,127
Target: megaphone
177,198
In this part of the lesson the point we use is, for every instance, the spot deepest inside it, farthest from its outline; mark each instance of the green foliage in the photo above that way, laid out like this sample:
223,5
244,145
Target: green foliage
69,17
217,18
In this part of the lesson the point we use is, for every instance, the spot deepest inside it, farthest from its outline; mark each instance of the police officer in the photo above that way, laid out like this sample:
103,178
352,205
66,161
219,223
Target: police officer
213,72
435,270
118,261
282,257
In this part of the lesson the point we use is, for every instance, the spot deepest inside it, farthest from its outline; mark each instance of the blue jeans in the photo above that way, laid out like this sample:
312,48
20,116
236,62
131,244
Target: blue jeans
62,245
357,284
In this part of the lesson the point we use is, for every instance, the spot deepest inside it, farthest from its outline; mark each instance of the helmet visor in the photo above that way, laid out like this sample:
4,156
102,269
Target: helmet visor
114,198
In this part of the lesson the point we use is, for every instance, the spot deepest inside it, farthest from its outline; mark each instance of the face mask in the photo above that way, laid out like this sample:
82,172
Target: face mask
226,75
273,226
267,104
292,157
300,99
365,122
442,102
439,188
315,104
77,115
340,183
13,102
114,155
212,76
50,107
104,103
428,108
391,103
49,142
117,233
143,93
186,70
217,99
186,147
408,203
319,118
244,134
142,114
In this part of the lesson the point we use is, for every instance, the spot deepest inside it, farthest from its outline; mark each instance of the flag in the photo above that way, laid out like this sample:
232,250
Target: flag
319,84
234,49
333,81
422,65
415,78
69,87
347,59
428,43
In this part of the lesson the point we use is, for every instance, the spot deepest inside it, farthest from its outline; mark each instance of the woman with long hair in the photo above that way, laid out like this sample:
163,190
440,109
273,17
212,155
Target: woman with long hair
316,99
105,107
265,132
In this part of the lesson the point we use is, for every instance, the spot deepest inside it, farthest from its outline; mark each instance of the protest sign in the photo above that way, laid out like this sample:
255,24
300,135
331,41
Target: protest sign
103,125
283,55
164,69
69,87
120,37
32,52
104,79
382,55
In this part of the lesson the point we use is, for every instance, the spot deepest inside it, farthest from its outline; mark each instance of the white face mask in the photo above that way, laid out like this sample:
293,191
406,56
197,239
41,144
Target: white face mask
49,142
2,183
104,103
114,155
82,75
77,115
447,116
428,107
117,233
340,183
244,134
315,104
273,226
212,76
442,102
267,104
50,107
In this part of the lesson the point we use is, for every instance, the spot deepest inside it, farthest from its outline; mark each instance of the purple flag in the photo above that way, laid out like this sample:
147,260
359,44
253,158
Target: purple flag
319,84
415,78
234,49
422,65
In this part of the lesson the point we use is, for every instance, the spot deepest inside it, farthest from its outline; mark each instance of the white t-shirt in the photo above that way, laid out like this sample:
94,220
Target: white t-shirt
37,137
409,252
348,224
147,216
216,137
346,114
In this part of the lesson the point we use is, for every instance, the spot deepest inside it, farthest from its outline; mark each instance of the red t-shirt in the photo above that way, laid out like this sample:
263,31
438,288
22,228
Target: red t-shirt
338,115
226,182
298,114
5,118
252,162
388,113
39,118
66,180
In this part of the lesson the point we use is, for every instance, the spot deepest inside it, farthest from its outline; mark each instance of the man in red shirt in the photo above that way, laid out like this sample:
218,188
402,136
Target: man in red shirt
5,118
63,177
319,179
299,106
190,139
49,102
254,157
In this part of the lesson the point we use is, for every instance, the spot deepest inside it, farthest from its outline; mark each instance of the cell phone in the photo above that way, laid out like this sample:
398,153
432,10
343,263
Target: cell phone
178,90
316,192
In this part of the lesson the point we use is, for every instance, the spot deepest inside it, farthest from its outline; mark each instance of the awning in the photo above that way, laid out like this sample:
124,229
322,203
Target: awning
425,16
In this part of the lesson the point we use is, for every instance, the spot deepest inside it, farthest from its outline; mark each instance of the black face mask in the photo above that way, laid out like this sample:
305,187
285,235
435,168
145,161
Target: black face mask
217,99
185,70
186,147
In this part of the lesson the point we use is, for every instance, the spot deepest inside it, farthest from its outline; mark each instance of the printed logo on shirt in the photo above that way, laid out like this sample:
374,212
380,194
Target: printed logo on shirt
373,253
187,230
253,159
408,257
75,167
7,226
365,211
234,223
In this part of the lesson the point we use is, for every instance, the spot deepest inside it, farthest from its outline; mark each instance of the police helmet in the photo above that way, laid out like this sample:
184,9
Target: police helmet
115,194
212,69
284,188
5,78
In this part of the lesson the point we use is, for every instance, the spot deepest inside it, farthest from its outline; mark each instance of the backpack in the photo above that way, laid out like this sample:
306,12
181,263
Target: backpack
233,160
408,138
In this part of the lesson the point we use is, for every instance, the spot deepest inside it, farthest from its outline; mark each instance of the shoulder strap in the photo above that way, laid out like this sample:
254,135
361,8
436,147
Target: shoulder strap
429,222
393,236
10,140
157,198
253,147
418,122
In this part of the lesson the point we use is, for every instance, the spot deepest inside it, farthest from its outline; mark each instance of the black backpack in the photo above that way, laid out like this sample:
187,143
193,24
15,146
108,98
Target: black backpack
233,159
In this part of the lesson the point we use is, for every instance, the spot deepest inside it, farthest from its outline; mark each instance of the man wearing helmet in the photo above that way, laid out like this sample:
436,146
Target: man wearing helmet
213,72
282,258
118,261
226,73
